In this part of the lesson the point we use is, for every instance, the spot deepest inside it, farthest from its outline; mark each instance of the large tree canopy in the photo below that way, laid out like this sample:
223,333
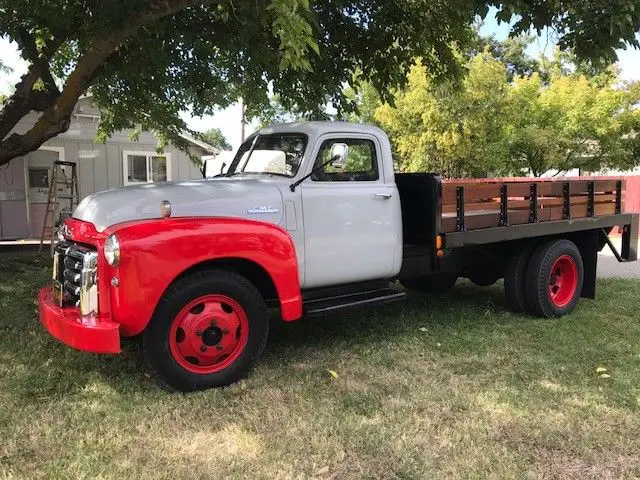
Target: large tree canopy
145,61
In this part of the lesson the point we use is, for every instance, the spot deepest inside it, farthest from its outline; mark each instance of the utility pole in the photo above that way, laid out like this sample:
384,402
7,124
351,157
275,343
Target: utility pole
242,119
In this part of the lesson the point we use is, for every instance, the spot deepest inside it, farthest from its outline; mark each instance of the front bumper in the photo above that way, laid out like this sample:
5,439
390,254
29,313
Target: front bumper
65,324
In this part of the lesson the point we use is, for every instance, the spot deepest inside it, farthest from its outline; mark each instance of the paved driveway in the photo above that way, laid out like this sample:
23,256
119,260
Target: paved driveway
608,266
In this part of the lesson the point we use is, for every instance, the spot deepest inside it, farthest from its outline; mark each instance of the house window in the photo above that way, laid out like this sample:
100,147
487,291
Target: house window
146,167
39,177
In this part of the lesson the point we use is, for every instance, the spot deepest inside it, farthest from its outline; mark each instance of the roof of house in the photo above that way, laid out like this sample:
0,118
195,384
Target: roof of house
204,145
185,135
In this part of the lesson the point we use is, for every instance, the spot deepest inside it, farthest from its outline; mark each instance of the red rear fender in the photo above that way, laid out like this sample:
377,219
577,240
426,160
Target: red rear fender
155,252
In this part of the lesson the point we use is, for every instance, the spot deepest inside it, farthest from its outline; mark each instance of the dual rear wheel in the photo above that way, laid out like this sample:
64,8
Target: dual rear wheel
545,280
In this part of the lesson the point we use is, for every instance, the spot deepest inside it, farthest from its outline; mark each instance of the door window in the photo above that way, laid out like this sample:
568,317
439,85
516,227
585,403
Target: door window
361,164
145,168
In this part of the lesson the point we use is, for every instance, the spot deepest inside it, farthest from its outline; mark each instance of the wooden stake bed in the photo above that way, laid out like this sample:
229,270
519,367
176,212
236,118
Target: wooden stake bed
474,204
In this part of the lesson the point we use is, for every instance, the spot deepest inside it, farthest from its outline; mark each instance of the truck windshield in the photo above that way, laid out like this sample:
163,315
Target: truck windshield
277,154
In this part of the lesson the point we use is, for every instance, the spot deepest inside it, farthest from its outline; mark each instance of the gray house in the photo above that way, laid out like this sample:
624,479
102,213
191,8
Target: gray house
24,181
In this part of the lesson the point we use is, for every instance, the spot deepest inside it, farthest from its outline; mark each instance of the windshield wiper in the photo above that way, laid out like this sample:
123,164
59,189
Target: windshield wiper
293,186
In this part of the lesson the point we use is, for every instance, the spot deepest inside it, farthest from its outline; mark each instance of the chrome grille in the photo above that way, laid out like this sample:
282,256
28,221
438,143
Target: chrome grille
75,267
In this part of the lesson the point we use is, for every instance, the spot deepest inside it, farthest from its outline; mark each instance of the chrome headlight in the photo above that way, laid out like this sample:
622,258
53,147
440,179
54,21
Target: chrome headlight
112,250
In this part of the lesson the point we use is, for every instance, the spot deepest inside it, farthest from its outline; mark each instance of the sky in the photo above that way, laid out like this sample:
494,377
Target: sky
628,60
228,120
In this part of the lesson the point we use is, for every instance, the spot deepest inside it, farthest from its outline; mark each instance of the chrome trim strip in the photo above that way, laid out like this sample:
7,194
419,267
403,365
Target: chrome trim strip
89,284
56,264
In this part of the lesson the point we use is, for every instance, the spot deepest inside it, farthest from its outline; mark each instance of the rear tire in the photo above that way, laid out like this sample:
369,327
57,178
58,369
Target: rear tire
437,283
554,278
514,280
208,330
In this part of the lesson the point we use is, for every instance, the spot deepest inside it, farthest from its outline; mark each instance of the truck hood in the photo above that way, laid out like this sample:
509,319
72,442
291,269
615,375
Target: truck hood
259,199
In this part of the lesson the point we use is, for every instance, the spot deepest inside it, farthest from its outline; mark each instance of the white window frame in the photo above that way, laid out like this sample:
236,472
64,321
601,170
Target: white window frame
148,154
60,151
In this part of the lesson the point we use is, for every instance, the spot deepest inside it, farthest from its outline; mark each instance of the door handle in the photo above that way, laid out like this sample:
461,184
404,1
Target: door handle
384,195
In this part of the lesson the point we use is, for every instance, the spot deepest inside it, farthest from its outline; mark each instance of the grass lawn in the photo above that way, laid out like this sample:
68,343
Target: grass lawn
435,387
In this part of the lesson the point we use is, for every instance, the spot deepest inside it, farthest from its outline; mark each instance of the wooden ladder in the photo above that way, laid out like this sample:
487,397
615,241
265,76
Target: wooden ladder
61,187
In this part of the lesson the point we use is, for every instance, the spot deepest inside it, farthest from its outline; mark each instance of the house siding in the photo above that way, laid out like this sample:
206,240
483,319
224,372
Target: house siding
99,167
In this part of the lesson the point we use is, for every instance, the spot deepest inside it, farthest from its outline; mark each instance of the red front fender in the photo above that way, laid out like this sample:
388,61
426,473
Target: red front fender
155,252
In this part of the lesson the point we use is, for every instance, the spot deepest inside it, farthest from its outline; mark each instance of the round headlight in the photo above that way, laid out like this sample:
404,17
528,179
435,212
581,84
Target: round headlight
112,250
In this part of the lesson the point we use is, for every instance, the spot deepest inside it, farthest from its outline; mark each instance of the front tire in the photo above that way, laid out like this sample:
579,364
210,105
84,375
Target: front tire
208,330
554,278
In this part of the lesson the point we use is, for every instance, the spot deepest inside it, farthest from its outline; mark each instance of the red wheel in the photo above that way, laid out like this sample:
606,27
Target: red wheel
208,330
554,278
563,281
208,334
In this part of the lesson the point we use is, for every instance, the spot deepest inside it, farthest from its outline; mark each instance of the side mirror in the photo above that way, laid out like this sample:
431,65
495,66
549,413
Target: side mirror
339,154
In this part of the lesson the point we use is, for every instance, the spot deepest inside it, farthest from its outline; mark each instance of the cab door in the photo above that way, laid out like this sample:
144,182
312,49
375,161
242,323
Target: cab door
352,225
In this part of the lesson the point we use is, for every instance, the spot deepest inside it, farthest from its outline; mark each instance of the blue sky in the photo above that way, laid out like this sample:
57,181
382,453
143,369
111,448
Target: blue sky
228,120
628,60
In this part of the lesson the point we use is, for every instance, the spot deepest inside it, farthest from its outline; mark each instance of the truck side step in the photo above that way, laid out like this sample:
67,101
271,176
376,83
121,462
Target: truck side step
326,305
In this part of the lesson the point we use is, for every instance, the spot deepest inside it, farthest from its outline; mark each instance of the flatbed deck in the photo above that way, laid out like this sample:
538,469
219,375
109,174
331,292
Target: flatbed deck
474,204
477,212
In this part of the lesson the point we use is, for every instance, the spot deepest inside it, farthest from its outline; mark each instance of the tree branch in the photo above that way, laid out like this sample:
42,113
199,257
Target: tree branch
572,151
25,98
18,104
56,117
27,44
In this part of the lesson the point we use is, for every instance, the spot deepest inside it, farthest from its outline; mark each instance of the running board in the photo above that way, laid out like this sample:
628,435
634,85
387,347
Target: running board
327,305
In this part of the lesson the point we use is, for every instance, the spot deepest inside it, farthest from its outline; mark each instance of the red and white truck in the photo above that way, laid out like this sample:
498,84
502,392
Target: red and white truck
309,219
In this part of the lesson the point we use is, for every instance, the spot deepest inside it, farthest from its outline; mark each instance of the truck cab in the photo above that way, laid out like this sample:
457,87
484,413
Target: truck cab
345,221
309,218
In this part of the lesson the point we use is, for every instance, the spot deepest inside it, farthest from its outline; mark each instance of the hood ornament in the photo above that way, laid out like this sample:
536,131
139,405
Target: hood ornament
165,209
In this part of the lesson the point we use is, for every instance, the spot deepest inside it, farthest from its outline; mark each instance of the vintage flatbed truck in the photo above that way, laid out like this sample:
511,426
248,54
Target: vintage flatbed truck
309,219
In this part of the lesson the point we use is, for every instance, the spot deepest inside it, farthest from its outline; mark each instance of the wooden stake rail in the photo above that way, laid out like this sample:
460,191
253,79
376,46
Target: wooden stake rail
472,204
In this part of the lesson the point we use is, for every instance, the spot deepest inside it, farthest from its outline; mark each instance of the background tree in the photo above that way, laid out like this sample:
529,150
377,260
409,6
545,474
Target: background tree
511,52
145,61
573,122
275,112
513,116
450,128
216,138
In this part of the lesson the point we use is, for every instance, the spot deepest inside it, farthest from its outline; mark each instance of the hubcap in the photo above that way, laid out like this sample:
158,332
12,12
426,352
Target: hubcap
208,334
563,280
212,336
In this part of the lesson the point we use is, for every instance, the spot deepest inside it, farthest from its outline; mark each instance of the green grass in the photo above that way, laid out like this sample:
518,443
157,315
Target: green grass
435,387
